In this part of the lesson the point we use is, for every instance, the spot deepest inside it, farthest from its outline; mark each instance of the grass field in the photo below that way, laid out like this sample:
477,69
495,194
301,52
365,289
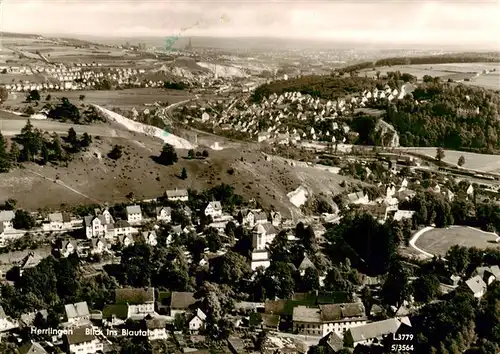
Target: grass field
479,162
458,71
119,98
439,241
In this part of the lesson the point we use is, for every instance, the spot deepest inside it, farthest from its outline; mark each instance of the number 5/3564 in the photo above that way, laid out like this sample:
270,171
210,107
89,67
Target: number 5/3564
401,348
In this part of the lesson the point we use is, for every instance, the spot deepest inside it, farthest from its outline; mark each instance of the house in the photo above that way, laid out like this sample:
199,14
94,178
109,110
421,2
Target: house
164,214
336,318
181,302
358,198
82,340
276,218
177,194
331,343
28,262
134,214
67,247
374,332
140,301
27,319
157,329
306,263
197,322
6,323
95,226
262,235
260,258
270,321
32,348
403,214
150,238
260,218
214,209
125,240
247,218
6,218
55,222
488,274
77,313
120,228
99,245
477,286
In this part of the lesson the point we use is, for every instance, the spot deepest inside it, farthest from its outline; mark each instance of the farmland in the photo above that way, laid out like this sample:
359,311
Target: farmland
120,98
456,71
439,241
473,161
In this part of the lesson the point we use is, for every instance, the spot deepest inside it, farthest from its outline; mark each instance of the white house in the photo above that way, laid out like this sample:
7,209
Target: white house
55,222
164,214
82,341
77,313
197,322
177,194
262,235
358,198
68,247
260,258
477,286
276,218
6,323
247,218
95,226
213,209
99,245
140,301
150,238
134,214
6,218
125,240
336,318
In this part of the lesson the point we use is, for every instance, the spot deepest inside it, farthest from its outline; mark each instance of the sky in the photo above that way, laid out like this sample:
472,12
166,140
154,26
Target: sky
406,21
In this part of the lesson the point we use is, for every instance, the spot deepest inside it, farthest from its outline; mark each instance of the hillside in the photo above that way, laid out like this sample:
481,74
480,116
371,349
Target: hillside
91,177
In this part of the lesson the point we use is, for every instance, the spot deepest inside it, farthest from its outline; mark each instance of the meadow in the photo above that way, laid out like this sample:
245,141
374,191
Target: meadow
439,241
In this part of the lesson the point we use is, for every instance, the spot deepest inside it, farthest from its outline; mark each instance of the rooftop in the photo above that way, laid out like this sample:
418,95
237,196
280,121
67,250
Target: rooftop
134,296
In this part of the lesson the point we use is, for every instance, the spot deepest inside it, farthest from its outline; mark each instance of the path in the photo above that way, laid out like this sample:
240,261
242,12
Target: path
415,238
62,184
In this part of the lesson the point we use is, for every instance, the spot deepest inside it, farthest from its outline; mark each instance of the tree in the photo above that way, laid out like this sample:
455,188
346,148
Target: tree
4,94
426,288
184,173
23,220
14,152
214,240
205,153
116,152
48,98
440,155
5,160
191,154
458,259
168,155
310,280
45,154
33,95
461,161
86,140
81,97
72,137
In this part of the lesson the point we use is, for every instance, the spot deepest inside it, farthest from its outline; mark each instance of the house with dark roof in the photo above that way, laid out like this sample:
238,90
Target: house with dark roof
181,302
331,343
157,328
214,209
140,302
260,217
319,321
164,214
306,263
77,313
28,262
177,194
373,333
82,340
99,245
197,321
31,348
488,274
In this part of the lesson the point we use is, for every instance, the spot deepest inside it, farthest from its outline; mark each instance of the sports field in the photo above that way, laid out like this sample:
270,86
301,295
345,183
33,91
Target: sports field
439,241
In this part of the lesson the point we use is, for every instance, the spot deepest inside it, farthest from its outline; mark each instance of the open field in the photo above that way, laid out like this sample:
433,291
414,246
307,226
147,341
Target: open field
458,71
119,98
473,161
93,175
439,241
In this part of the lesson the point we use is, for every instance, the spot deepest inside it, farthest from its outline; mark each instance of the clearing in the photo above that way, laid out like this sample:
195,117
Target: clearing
439,241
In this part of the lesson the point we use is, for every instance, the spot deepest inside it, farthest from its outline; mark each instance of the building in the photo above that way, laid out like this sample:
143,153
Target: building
6,218
150,238
140,301
6,323
164,214
77,313
181,302
262,235
331,343
247,218
358,198
82,341
67,247
373,333
177,194
336,318
95,226
261,218
197,321
260,258
477,286
99,245
32,348
276,218
214,209
157,329
306,263
134,214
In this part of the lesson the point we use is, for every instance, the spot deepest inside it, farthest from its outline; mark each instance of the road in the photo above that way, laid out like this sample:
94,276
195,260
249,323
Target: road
10,127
